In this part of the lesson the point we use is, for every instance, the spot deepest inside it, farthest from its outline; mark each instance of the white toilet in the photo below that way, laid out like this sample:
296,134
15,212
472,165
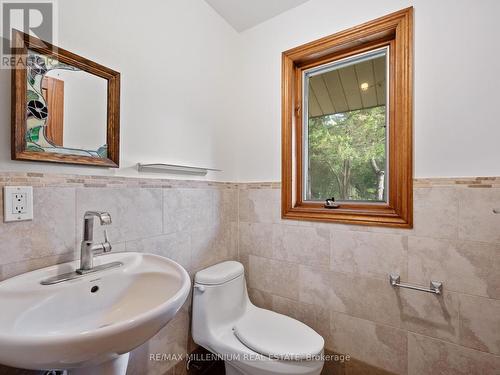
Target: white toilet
251,340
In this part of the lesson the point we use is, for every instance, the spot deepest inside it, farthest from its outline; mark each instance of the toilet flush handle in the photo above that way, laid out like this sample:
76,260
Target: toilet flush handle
201,288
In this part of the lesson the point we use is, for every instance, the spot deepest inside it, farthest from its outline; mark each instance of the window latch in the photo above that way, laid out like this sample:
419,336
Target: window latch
330,203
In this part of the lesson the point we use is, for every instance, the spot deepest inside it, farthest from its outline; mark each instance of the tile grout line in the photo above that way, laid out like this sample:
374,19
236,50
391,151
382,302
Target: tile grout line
238,223
454,344
407,353
76,220
162,211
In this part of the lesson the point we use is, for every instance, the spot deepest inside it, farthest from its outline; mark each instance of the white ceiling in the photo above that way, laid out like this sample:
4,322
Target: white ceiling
244,14
339,90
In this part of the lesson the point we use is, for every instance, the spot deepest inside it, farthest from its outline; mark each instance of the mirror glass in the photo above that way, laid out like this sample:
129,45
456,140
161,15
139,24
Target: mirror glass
66,108
345,140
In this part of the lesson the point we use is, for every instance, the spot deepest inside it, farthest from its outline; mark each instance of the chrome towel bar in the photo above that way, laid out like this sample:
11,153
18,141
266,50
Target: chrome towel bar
435,287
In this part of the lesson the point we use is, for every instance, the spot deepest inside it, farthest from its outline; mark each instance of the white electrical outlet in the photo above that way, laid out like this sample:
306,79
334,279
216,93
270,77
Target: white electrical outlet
17,203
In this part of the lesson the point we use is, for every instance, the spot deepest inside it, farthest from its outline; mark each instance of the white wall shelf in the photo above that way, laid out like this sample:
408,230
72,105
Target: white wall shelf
174,169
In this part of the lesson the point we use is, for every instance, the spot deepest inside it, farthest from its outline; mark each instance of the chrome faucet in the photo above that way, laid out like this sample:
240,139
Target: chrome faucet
88,250
88,247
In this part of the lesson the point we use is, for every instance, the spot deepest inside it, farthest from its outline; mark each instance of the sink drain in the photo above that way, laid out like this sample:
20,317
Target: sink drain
94,289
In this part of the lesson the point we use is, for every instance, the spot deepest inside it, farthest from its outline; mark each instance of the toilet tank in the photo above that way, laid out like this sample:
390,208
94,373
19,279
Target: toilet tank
219,299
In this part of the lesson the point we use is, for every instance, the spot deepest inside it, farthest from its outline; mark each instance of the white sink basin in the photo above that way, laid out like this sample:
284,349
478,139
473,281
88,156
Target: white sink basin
72,325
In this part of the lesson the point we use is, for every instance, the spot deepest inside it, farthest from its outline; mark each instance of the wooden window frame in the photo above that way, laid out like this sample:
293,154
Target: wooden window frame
396,31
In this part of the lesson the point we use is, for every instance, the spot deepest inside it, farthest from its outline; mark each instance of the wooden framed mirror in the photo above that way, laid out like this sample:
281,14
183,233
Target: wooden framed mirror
65,108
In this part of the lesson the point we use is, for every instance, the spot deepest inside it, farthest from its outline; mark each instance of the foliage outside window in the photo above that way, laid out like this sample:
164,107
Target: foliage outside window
347,156
347,125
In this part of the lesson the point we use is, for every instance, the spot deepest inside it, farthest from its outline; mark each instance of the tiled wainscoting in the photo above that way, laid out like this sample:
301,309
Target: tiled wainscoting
194,223
332,277
335,278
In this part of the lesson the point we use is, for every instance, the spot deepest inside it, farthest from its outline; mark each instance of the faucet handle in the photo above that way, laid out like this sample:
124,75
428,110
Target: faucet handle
106,245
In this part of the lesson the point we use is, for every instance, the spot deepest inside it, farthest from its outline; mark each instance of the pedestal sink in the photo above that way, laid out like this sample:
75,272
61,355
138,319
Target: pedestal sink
88,325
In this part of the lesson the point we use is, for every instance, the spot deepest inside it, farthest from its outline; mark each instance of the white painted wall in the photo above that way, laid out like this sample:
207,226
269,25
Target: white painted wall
196,92
176,59
457,127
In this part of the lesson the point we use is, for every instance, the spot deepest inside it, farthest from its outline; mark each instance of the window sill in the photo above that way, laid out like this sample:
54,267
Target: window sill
372,215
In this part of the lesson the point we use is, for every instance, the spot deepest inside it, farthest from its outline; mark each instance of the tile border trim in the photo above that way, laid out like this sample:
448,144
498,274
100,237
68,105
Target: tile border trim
93,181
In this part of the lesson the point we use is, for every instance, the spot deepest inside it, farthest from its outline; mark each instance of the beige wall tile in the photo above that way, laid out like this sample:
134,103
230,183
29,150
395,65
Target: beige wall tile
336,364
366,298
436,212
51,232
356,367
375,300
428,356
477,222
225,202
17,268
370,229
304,245
259,205
377,345
315,287
256,239
180,368
369,254
230,252
480,323
463,266
428,314
186,209
213,244
116,247
136,213
176,246
273,276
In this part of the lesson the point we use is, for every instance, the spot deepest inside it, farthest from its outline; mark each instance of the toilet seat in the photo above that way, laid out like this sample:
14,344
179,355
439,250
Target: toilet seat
277,336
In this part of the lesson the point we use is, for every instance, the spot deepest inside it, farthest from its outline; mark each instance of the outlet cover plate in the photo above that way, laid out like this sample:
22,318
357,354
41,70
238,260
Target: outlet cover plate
9,194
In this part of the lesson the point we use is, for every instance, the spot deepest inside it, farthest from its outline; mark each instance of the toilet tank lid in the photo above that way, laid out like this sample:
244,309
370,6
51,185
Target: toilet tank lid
219,273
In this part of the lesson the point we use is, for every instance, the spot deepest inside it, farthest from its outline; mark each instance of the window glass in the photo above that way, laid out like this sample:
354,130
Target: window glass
345,140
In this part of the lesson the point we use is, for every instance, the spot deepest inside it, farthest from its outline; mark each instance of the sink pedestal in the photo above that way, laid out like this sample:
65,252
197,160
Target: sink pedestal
117,366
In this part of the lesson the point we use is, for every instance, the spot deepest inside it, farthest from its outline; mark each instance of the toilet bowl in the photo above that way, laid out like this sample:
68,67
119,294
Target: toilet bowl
251,340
